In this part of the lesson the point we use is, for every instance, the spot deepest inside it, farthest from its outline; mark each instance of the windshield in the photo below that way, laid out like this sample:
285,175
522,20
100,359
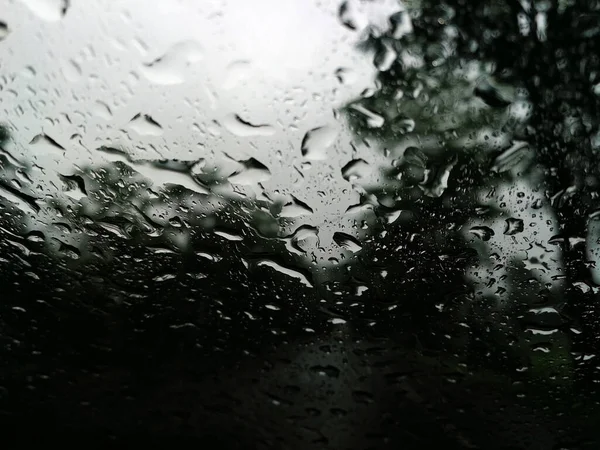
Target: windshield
358,224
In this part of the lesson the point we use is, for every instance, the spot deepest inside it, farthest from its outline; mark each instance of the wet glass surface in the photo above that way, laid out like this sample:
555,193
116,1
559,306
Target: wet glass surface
300,224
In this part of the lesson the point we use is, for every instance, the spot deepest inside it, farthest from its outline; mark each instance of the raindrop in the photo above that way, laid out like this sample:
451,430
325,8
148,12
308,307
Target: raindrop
482,232
4,30
492,95
346,16
169,68
355,169
347,242
403,125
236,125
36,236
372,119
295,208
286,271
436,180
236,73
210,256
75,186
516,157
337,321
165,277
71,71
297,241
513,226
401,24
67,250
144,125
102,110
317,141
251,173
23,201
346,76
228,235
49,10
169,172
329,371
43,143
385,57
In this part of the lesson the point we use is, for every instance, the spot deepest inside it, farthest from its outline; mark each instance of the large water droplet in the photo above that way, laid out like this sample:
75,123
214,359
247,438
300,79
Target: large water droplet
75,186
102,110
482,232
251,173
286,271
236,125
513,226
373,120
295,208
517,157
355,169
385,57
144,125
49,10
436,180
230,236
329,371
170,68
300,240
23,201
317,141
44,143
236,73
347,242
169,172
71,71
4,30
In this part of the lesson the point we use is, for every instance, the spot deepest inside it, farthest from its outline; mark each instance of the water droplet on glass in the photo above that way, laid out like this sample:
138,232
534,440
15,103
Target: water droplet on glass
317,141
71,71
251,173
168,172
513,226
355,169
435,180
401,24
300,240
44,143
75,186
347,242
346,76
236,73
236,125
4,30
102,110
165,277
385,57
67,250
23,201
516,157
170,68
229,235
144,125
304,279
329,371
295,208
49,10
337,321
373,120
482,232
